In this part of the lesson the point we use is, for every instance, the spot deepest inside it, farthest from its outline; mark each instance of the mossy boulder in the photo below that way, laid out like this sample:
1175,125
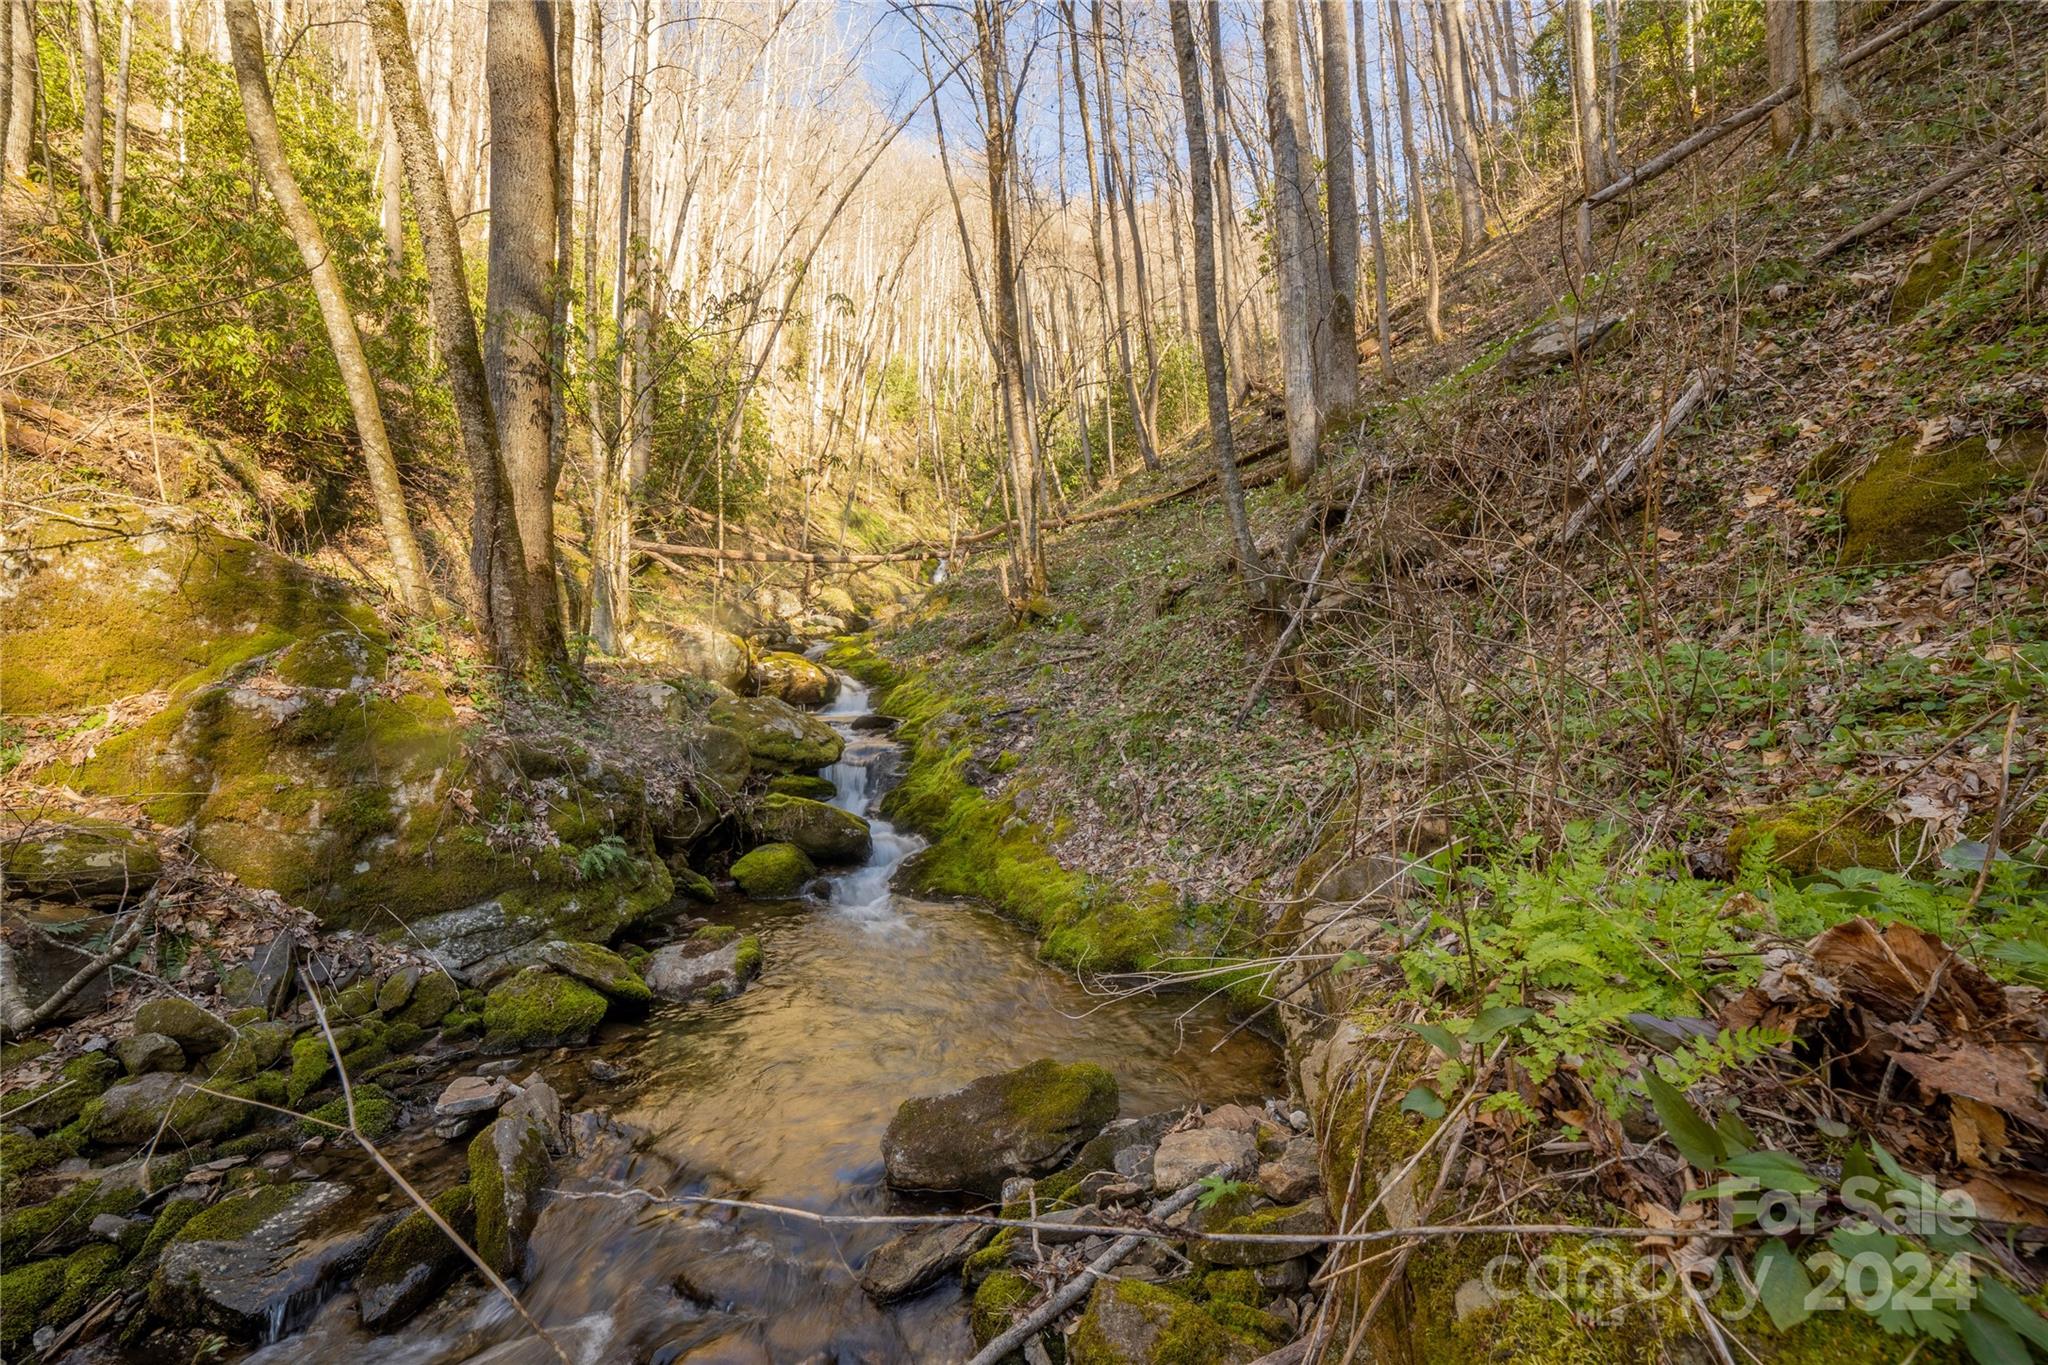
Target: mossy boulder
1914,503
690,649
715,964
540,1008
1130,1322
1310,1219
98,617
412,1262
50,1293
259,1260
435,994
78,858
142,1053
134,1111
779,738
601,969
692,883
826,834
480,943
1021,1122
802,784
508,1165
1815,836
794,679
997,1301
774,870
59,1100
197,1030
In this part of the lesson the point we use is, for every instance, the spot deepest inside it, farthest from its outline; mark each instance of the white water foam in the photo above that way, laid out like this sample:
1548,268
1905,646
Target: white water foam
863,893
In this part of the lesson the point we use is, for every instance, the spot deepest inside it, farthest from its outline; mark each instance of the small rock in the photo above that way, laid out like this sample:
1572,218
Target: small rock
538,1103
396,992
146,1052
1231,1117
601,969
1310,1219
698,969
1021,1122
194,1029
1187,1156
412,1261
920,1257
266,980
1473,1296
1960,583
108,1227
606,1073
466,1101
1294,1176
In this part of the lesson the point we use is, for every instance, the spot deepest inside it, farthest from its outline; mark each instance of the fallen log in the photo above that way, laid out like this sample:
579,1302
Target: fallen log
1899,208
663,547
1750,113
1705,384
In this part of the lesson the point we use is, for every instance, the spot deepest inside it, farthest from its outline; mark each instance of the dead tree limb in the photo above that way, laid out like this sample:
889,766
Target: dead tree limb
1899,208
1750,113
18,1018
1705,384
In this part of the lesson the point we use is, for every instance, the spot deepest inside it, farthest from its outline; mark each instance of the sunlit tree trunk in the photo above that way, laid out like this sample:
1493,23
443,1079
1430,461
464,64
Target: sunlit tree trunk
390,194
1340,380
245,45
1214,367
92,110
1234,341
1148,449
1830,108
1375,225
1458,114
1595,171
1782,50
1418,194
1297,244
118,176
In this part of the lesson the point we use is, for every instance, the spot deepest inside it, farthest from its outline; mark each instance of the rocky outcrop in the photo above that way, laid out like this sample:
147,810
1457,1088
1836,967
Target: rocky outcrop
826,834
1563,342
690,650
1021,1122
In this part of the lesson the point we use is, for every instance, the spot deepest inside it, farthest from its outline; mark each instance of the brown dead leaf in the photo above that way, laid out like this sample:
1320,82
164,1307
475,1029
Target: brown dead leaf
1887,971
1979,1130
2000,1076
2009,1197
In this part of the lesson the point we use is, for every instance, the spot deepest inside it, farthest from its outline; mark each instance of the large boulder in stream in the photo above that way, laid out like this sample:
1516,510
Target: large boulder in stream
715,963
540,1008
794,679
774,870
690,649
825,833
1021,1122
508,1166
255,1263
779,738
919,1258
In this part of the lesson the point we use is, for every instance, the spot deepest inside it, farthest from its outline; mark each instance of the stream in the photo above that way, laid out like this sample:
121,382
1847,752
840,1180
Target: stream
782,1095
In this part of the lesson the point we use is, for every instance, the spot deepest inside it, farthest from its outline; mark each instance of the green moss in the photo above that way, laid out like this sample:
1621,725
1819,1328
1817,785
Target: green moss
311,1063
65,1095
1912,504
746,962
996,1303
176,1214
238,1215
540,1008
496,1239
1815,836
53,1292
462,1024
715,935
416,1241
802,785
27,1290
1234,1286
1184,1333
991,1258
774,870
855,656
376,1114
693,884
432,999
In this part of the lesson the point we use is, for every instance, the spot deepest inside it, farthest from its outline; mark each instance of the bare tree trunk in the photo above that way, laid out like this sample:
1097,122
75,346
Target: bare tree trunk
564,285
1787,65
496,560
1297,249
1830,108
92,111
1148,449
1027,553
636,329
1234,344
1250,568
119,174
1418,193
519,298
245,46
1374,224
391,196
1340,381
610,523
1585,65
1458,114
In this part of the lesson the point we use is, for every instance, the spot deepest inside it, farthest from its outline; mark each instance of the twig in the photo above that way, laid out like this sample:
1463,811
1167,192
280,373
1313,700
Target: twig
1899,208
1704,385
18,1021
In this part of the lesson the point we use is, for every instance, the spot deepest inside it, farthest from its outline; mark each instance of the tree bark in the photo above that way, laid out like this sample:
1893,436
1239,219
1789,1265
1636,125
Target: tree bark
1234,342
1418,193
118,177
1298,250
496,561
1594,168
1340,383
1782,51
1458,103
1830,108
1374,223
519,299
92,111
390,196
245,48
1215,368
1148,449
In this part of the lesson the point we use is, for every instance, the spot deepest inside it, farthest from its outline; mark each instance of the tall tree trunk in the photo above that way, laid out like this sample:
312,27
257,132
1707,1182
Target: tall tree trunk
634,316
1830,108
496,559
1585,63
1782,48
1464,141
1250,568
1234,343
390,195
1148,450
1375,226
245,48
92,111
118,177
610,525
1418,193
7,12
1340,381
519,298
1297,247
1027,554
564,284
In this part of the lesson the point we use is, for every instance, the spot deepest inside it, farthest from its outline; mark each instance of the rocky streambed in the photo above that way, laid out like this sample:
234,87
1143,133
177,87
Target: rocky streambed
602,1125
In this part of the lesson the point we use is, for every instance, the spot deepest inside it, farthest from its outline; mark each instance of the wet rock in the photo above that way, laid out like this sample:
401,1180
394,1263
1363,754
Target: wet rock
826,834
1128,1322
779,738
193,1029
794,679
467,1102
704,968
540,1008
411,1263
874,722
1309,1218
1563,342
1021,1122
266,980
1187,1156
1293,1175
146,1052
919,1258
1233,1118
802,784
258,1261
539,1105
508,1165
601,969
774,870
78,859
602,1072
482,942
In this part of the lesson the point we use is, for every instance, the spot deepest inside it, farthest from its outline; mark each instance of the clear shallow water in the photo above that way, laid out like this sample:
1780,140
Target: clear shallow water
781,1095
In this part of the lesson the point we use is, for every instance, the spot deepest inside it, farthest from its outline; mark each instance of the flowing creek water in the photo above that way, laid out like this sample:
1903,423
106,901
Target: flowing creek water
782,1095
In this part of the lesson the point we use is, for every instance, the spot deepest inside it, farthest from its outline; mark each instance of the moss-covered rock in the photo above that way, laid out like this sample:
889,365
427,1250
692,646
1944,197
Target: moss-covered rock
408,1267
508,1165
1913,504
1815,836
825,833
432,998
480,942
540,1008
257,1261
51,1293
376,1114
601,969
714,964
198,1031
1310,1219
690,649
78,858
1021,1122
794,679
779,738
145,1052
802,784
691,883
1129,1322
60,1099
997,1302
774,870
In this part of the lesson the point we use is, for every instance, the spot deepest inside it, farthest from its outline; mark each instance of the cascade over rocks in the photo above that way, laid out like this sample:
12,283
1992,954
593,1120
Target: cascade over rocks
826,834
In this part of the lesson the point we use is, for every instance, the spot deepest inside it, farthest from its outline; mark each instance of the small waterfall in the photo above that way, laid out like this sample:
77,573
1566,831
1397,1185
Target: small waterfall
863,892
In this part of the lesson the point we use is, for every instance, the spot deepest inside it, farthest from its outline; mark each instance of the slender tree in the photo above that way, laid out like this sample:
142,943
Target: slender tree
23,76
1214,368
118,176
1418,193
1375,225
1234,339
1458,115
92,111
245,49
1595,172
1340,380
1297,240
